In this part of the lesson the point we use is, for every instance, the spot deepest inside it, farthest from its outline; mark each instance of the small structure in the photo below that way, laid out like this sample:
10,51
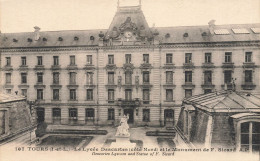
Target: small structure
15,116
225,119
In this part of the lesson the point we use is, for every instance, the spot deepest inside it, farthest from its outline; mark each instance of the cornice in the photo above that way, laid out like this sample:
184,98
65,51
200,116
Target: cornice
160,46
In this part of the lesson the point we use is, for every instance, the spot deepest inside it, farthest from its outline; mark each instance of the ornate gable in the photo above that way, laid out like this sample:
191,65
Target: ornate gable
128,27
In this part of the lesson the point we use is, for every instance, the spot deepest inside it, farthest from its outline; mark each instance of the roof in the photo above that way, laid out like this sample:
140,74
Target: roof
5,98
194,34
69,38
132,17
226,101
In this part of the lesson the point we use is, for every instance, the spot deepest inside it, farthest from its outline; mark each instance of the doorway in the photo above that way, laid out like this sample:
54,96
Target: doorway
131,115
169,117
40,115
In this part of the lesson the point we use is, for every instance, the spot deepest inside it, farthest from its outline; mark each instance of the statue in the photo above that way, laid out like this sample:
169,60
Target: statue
122,129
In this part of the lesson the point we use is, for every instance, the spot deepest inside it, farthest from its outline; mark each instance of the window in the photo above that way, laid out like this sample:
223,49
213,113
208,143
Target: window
128,94
228,57
39,60
128,78
250,136
23,60
56,94
72,60
146,58
39,77
128,58
188,76
207,77
55,60
207,57
111,78
146,115
168,58
248,57
90,114
73,113
24,92
111,95
89,78
56,78
188,93
89,94
111,114
23,78
188,57
248,76
169,95
146,77
56,114
146,96
8,78
89,59
206,91
169,77
73,95
39,94
8,91
227,76
8,61
110,59
72,77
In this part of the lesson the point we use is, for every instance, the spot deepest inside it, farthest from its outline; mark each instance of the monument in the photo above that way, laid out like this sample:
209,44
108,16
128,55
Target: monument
122,134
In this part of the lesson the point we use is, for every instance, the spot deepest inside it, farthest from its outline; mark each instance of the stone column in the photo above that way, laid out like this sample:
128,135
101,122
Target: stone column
48,115
81,116
64,116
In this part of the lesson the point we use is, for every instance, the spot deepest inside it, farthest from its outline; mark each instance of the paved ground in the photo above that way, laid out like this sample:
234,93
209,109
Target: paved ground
137,133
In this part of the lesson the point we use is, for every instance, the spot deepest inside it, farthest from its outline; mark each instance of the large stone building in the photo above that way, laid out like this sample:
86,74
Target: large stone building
93,77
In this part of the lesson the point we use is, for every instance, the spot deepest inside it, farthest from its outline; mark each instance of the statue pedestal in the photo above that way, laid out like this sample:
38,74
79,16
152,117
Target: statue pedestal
122,142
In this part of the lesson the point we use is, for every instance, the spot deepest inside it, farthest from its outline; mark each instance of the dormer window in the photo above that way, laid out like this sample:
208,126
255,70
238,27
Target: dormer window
92,38
186,35
60,39
204,34
76,38
29,40
15,40
167,35
44,39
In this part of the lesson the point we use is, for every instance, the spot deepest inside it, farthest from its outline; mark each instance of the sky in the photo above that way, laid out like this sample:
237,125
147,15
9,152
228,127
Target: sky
53,15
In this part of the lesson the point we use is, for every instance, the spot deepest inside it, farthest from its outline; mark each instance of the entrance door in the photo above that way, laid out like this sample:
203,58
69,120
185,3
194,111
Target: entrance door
40,115
169,117
131,115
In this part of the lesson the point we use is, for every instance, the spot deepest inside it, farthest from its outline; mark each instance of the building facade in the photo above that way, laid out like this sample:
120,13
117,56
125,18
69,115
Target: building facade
94,77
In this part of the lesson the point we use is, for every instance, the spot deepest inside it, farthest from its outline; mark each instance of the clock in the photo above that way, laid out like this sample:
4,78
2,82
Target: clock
128,34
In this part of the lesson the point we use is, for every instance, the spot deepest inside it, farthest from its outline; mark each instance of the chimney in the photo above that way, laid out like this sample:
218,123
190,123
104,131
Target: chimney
211,26
37,33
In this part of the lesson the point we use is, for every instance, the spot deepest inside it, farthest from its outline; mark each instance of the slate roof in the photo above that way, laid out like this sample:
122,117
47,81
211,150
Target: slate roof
5,98
226,101
167,35
6,39
195,34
